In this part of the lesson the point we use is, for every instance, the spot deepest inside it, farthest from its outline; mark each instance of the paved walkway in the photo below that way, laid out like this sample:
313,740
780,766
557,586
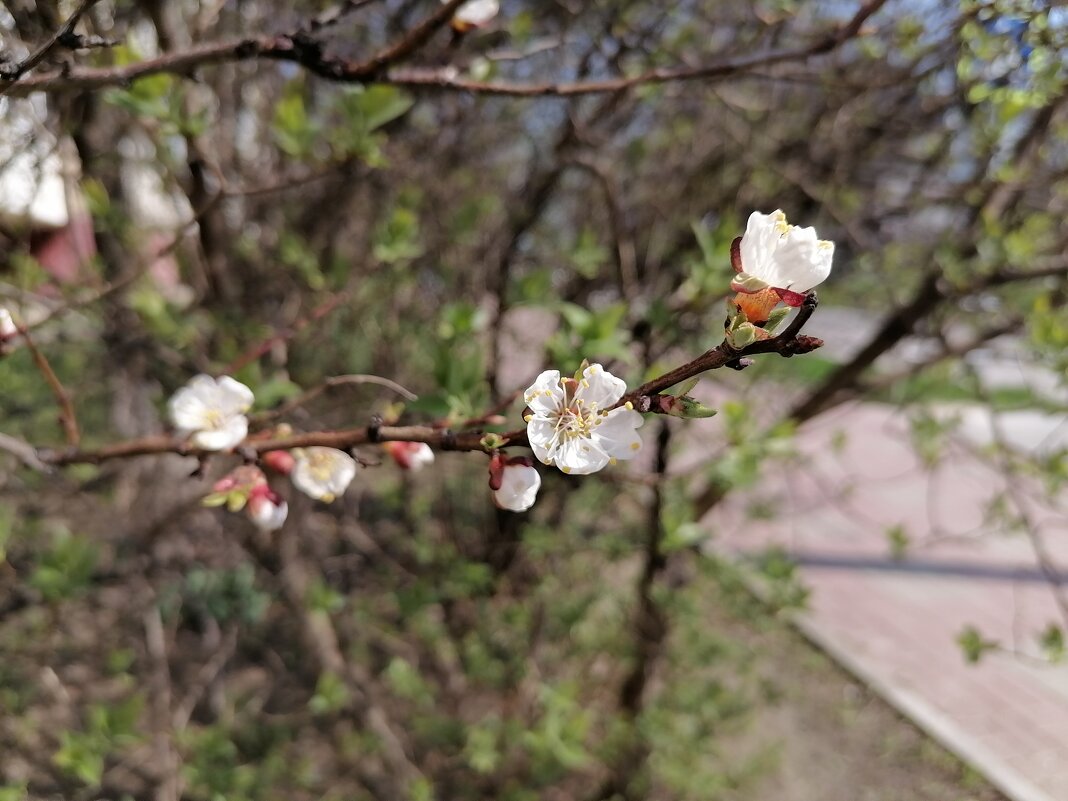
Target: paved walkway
895,623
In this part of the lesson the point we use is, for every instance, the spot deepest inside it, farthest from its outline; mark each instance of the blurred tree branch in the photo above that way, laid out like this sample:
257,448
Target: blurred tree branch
303,49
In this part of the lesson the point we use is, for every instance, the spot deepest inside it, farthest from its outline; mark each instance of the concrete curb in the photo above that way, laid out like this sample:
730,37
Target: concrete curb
936,725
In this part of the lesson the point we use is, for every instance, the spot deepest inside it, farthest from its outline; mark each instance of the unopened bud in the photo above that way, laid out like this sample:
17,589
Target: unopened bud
281,462
684,406
410,455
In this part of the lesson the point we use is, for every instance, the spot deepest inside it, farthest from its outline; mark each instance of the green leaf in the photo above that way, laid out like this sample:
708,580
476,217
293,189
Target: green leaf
1053,642
331,695
775,319
379,105
898,539
974,645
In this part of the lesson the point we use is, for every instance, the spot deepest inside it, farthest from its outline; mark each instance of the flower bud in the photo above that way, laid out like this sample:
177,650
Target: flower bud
518,486
410,455
281,462
266,508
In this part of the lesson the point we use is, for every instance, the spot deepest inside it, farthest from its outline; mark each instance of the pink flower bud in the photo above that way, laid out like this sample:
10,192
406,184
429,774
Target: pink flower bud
281,462
266,508
410,455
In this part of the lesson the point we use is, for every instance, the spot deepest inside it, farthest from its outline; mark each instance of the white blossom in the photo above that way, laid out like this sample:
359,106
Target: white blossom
519,488
322,473
7,325
266,509
570,424
476,13
211,412
782,256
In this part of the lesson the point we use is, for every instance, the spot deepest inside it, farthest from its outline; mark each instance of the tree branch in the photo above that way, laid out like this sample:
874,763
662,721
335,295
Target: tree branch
303,49
789,343
67,418
8,78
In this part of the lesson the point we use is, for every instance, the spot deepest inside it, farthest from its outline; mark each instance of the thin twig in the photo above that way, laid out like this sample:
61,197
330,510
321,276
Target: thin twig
8,78
330,383
67,418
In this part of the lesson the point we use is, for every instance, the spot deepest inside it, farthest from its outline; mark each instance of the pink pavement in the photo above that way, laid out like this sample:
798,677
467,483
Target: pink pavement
895,622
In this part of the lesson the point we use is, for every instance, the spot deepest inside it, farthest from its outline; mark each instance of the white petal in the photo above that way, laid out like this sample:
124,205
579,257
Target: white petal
303,480
545,394
617,433
343,472
187,410
760,242
540,433
600,388
224,437
805,260
580,456
519,488
234,396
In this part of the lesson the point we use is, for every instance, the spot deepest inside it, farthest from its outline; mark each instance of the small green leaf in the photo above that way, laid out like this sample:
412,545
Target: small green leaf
1052,642
974,645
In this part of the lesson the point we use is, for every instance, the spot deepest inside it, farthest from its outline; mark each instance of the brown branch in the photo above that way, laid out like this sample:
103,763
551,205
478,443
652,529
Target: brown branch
67,418
786,344
1054,268
306,51
412,41
8,78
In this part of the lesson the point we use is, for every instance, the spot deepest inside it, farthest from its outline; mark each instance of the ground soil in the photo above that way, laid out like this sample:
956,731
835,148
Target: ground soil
834,740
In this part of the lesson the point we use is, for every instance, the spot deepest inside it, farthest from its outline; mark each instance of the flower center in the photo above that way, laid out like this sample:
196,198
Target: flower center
213,419
575,421
321,467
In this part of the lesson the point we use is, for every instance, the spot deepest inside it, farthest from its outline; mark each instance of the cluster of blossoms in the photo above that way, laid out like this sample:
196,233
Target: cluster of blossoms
210,412
578,424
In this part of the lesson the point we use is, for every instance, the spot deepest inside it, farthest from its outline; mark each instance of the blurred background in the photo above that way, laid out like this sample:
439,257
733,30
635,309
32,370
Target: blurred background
847,585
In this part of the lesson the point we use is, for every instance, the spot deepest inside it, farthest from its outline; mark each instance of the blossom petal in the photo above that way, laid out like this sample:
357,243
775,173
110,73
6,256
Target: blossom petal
760,243
232,432
616,433
580,456
541,434
519,488
187,411
545,394
600,388
234,395
806,259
